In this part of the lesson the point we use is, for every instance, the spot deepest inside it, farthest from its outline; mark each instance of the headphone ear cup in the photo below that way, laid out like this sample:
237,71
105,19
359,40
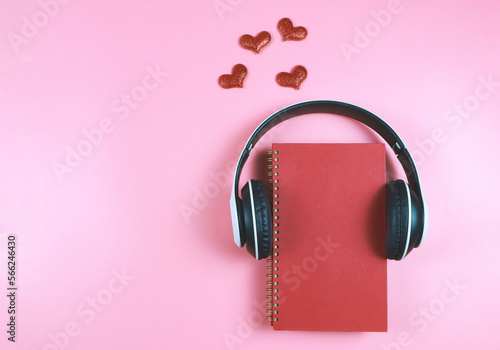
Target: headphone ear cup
257,219
398,219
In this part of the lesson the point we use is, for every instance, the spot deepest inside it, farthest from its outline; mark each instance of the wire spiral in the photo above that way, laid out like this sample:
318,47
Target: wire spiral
273,262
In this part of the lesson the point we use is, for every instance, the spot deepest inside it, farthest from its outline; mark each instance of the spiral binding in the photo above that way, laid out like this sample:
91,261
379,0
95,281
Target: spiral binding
272,278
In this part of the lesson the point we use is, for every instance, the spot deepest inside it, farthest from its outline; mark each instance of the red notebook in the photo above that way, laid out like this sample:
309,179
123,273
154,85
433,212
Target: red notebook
329,271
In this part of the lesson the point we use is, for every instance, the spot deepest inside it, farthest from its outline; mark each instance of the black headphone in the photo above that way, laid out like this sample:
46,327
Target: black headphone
407,214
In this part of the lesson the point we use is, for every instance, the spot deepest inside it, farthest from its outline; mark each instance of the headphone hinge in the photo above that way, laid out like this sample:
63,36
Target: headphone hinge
397,149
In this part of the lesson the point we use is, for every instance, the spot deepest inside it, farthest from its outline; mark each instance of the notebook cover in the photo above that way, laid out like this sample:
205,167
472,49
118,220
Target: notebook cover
329,270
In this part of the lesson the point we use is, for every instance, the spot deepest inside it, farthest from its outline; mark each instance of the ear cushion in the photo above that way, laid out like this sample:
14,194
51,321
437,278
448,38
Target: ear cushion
257,219
398,217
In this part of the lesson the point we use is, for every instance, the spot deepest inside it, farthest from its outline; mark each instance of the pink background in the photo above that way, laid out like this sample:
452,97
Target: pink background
122,208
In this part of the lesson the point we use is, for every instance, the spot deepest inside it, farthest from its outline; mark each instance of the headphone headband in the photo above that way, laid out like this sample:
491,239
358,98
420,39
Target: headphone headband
331,107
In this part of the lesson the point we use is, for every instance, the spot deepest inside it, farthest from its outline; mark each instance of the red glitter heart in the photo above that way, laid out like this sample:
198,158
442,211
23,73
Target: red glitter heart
235,79
256,43
289,32
292,79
